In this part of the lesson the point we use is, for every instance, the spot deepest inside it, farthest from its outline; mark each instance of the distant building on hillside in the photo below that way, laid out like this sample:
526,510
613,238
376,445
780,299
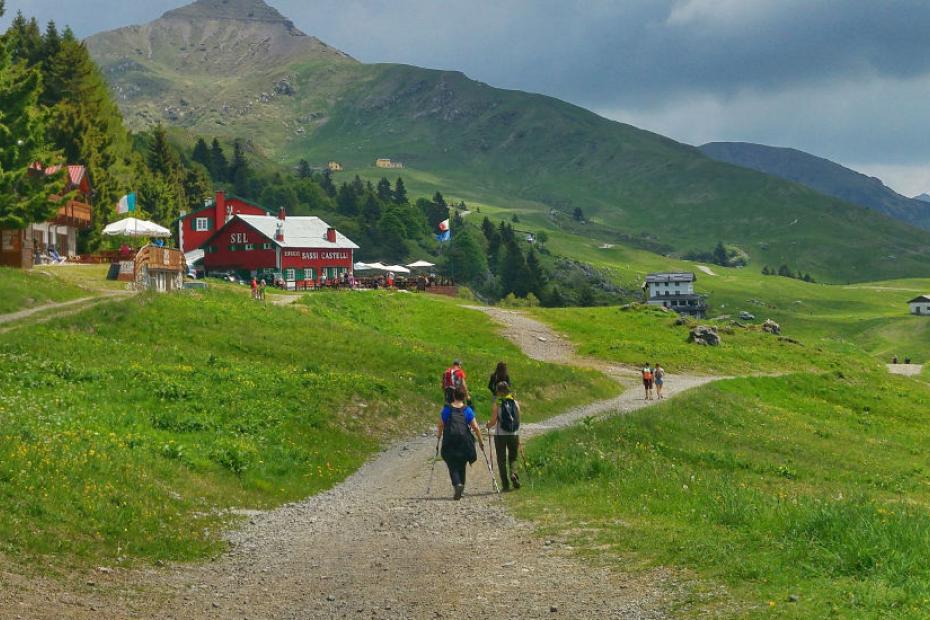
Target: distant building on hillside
334,166
920,305
675,291
387,163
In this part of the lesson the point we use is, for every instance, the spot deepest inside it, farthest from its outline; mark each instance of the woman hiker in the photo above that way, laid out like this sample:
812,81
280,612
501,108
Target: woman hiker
505,420
658,376
500,374
456,427
647,380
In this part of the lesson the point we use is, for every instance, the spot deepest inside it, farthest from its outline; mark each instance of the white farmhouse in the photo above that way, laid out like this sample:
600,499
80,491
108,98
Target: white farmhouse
675,291
920,305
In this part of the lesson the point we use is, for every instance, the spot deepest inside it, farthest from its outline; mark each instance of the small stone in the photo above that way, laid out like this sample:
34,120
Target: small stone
216,605
553,609
793,598
330,598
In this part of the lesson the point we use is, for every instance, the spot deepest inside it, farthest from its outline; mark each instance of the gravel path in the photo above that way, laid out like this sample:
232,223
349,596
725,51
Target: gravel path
377,546
908,370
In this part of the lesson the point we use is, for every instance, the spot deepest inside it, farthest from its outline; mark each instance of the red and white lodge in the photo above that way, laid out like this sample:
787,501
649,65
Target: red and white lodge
251,241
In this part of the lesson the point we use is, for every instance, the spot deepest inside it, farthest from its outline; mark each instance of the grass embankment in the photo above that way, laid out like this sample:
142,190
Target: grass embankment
814,485
21,290
126,430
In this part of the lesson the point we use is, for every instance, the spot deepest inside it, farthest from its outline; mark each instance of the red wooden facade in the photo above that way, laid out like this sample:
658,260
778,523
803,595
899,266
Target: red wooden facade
301,249
196,227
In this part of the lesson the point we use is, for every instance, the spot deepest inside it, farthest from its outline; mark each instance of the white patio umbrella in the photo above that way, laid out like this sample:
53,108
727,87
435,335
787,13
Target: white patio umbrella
421,264
397,269
132,227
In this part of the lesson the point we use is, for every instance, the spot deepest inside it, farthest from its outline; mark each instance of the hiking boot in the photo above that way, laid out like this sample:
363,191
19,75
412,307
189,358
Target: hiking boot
459,489
515,481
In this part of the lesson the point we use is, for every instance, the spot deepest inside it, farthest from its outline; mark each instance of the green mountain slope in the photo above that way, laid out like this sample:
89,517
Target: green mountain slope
822,175
237,68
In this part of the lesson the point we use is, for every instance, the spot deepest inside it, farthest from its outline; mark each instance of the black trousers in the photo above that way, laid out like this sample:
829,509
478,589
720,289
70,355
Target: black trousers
508,449
457,471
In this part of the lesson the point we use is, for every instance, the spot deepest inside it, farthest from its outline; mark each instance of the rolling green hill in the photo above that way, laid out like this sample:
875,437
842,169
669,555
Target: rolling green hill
238,68
822,175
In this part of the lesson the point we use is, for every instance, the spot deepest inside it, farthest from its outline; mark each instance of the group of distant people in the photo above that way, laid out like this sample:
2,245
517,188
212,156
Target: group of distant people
458,427
894,359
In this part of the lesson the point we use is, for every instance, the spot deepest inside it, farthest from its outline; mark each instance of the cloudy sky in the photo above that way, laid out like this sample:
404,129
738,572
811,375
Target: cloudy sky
845,79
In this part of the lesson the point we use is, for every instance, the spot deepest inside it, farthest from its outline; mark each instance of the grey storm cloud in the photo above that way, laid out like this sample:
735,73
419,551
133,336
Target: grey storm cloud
843,79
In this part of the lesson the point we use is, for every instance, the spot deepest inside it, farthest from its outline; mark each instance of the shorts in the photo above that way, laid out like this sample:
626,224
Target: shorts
660,381
647,383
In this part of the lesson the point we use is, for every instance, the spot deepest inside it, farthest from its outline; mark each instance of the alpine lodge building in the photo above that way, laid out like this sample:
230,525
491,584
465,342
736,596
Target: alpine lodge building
304,251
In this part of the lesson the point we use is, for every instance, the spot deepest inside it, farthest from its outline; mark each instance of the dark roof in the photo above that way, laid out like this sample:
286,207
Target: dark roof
670,277
920,299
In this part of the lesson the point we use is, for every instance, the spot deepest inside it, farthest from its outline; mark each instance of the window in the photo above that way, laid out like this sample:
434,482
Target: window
7,240
290,275
249,246
267,246
201,224
311,274
234,248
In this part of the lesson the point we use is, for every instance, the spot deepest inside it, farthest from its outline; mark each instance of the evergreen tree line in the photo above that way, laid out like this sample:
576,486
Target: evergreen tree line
787,272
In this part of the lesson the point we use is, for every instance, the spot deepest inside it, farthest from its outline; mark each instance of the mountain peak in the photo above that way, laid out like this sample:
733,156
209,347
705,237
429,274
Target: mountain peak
239,10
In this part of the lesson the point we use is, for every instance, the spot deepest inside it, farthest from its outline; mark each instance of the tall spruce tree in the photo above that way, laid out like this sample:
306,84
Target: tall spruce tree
466,256
240,172
536,276
303,169
400,191
385,193
513,271
24,195
219,166
201,154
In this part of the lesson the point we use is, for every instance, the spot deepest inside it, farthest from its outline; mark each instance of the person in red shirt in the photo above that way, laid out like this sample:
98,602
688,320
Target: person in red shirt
453,378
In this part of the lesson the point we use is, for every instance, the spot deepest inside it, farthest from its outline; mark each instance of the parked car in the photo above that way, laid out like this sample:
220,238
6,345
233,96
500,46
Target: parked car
747,316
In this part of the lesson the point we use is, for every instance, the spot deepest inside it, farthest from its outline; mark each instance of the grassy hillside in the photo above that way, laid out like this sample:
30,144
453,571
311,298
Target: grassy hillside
130,429
20,290
821,175
306,100
802,496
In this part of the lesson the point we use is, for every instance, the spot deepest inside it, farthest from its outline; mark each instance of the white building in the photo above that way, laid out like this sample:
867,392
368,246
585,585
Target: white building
920,305
675,291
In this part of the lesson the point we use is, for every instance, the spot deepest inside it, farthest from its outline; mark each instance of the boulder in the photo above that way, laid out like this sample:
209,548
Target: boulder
771,327
704,335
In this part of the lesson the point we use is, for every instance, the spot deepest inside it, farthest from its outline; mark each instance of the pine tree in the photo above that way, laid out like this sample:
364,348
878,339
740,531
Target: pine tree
720,255
327,183
346,200
578,214
162,159
201,153
536,279
219,166
392,232
438,199
371,210
303,169
385,193
467,257
766,271
400,192
24,40
240,172
23,195
513,271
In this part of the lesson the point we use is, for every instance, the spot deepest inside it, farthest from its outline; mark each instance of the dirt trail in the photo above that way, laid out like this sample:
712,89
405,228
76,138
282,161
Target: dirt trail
376,546
908,370
47,312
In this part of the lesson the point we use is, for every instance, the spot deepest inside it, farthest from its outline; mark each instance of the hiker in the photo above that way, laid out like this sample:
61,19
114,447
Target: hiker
658,376
454,378
894,359
907,360
505,420
261,290
458,430
254,288
647,380
500,374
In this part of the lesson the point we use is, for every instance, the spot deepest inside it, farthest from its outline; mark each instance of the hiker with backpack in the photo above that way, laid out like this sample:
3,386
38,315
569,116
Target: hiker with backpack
500,374
454,378
457,431
647,380
505,420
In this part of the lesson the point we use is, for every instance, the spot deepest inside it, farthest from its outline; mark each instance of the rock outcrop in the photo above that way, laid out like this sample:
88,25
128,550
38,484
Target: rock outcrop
704,335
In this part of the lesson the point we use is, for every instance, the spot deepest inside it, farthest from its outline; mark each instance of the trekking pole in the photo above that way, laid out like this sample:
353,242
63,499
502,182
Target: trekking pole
432,469
490,473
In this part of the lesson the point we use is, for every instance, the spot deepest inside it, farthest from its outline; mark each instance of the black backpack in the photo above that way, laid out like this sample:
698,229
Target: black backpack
508,415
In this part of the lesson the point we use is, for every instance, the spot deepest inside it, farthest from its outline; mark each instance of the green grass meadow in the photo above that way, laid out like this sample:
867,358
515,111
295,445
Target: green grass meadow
21,290
129,429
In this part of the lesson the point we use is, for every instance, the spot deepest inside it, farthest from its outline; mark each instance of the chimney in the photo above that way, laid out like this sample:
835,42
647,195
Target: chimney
279,226
331,235
219,210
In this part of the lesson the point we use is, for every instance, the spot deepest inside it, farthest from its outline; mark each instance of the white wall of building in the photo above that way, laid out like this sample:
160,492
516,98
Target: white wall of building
922,308
659,289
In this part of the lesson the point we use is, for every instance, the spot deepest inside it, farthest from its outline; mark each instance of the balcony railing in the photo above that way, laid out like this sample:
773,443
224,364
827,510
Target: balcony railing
74,213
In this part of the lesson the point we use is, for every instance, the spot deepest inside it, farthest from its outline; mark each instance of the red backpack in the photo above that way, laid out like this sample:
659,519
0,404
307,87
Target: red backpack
452,378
